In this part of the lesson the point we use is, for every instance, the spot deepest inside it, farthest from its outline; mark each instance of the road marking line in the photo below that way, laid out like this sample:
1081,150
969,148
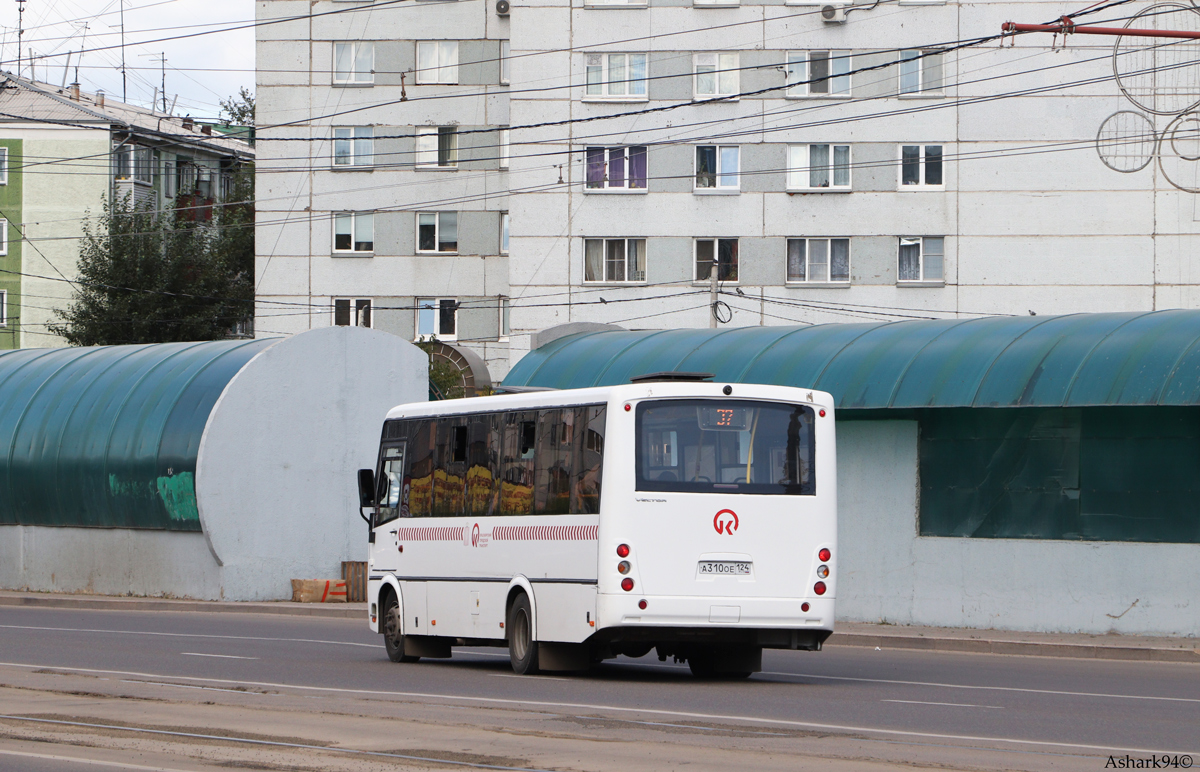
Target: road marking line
947,704
190,635
94,762
617,709
988,688
536,678
220,656
205,688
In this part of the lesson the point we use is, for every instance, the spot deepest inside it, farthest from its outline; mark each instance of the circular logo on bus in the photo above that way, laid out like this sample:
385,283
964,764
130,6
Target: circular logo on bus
726,522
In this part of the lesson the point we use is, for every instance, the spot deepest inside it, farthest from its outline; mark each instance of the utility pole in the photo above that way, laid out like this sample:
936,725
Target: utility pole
20,32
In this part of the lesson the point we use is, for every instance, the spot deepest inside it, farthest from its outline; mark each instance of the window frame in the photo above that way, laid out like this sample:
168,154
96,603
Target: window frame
716,242
353,140
437,233
3,236
626,156
355,78
925,58
3,165
727,96
354,311
421,162
715,3
616,4
3,308
445,74
505,58
717,188
923,280
354,218
504,321
833,55
606,262
805,171
922,167
807,281
437,310
606,80
505,147
504,232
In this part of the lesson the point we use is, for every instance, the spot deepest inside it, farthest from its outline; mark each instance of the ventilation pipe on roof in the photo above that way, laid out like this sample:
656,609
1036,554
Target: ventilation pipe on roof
75,91
100,99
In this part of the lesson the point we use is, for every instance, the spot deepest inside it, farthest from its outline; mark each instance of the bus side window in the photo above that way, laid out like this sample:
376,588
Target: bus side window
449,476
420,475
482,456
589,460
516,488
554,462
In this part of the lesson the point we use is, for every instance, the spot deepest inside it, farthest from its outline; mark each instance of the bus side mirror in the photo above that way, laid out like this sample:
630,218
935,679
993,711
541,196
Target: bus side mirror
366,487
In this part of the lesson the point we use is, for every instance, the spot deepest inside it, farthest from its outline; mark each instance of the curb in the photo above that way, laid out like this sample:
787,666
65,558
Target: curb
1021,648
333,611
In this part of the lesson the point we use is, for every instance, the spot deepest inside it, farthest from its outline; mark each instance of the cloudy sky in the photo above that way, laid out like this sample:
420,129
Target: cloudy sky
200,70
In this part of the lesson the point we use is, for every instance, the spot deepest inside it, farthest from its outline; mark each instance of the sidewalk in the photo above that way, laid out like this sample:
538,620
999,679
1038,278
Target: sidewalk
1074,645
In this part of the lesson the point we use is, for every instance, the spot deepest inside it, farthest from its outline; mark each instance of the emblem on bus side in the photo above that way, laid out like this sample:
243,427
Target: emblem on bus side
726,522
477,539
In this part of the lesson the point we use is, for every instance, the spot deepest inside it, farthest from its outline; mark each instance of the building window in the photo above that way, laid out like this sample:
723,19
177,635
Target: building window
353,146
437,147
818,167
354,63
616,168
437,318
615,76
437,231
3,166
505,318
504,148
353,232
920,166
717,167
614,260
920,72
3,308
725,251
818,73
716,74
437,61
3,236
352,312
505,55
132,163
504,233
714,2
818,260
922,258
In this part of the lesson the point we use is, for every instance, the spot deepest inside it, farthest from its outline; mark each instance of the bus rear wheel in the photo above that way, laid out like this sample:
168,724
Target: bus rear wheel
522,649
393,639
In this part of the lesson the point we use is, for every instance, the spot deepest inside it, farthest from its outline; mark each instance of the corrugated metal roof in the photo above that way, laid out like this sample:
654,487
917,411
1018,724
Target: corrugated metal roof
108,436
1044,361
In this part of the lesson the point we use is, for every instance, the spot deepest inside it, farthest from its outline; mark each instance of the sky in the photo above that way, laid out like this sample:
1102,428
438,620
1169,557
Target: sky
200,70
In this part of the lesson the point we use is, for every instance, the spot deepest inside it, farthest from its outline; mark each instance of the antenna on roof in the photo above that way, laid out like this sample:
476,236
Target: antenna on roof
124,93
20,32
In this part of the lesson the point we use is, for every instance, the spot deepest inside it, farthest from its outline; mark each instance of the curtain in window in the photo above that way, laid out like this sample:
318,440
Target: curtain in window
839,259
910,259
796,260
637,168
342,237
595,167
706,166
341,147
614,265
841,165
595,75
593,260
706,74
616,167
931,72
447,146
728,76
818,166
704,258
727,259
818,260
636,255
616,75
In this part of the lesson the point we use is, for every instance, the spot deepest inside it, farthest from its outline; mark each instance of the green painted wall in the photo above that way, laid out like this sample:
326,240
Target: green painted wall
10,265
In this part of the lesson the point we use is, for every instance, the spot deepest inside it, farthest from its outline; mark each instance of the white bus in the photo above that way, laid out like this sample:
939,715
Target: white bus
698,519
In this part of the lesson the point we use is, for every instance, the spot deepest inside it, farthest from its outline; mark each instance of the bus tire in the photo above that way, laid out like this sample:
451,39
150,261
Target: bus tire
522,649
393,638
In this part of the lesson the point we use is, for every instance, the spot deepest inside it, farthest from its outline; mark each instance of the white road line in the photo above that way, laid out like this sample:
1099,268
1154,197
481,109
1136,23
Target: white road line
539,678
94,762
986,688
190,635
219,656
946,704
621,709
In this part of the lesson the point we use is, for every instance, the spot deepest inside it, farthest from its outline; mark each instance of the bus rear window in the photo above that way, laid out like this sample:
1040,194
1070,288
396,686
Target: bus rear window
725,446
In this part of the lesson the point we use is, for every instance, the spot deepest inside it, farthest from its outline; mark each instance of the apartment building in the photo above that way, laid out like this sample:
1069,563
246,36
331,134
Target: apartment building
828,162
63,153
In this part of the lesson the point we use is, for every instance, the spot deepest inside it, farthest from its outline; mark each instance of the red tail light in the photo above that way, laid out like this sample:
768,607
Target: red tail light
627,585
824,555
622,550
818,588
642,604
804,606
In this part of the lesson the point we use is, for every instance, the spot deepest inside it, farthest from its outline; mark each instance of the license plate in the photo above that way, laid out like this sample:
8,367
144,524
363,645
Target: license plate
725,568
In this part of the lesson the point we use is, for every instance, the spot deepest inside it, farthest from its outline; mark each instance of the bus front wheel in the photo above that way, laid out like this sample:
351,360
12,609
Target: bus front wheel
393,638
522,649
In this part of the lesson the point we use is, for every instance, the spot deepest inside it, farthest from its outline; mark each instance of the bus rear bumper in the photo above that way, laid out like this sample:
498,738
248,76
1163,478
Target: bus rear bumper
772,622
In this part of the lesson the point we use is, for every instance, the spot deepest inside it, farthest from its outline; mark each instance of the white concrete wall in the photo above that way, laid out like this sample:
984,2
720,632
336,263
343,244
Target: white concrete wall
108,561
890,574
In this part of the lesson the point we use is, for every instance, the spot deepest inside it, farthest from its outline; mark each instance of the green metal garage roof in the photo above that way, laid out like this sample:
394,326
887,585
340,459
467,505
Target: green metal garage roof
1056,361
108,436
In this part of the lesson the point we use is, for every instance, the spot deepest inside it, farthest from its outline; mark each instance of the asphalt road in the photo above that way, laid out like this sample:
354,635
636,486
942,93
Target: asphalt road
1020,705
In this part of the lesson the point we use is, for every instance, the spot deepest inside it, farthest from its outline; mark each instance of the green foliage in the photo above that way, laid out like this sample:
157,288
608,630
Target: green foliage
444,378
238,110
147,277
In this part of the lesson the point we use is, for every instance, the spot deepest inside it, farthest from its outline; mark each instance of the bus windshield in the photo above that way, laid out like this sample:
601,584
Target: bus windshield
725,446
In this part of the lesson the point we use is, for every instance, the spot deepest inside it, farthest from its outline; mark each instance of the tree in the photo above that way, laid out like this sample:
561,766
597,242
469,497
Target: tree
238,110
159,277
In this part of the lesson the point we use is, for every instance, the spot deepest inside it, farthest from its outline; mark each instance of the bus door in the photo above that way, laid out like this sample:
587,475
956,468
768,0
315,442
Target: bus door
392,496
